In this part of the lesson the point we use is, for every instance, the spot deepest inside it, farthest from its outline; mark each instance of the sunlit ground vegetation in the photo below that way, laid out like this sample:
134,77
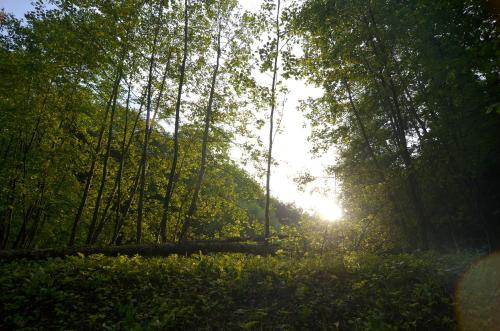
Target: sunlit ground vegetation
119,120
331,292
310,283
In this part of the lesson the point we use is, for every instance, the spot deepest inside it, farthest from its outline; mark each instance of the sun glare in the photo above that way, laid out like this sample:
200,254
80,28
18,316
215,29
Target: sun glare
328,210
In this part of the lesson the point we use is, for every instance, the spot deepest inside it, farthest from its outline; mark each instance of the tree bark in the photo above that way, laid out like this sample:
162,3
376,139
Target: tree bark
171,179
379,169
201,171
186,248
123,214
400,126
125,148
144,160
90,175
271,124
95,216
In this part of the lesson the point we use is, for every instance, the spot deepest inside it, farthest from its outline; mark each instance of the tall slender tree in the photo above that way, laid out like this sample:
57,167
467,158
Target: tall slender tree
149,95
206,131
171,178
93,163
271,121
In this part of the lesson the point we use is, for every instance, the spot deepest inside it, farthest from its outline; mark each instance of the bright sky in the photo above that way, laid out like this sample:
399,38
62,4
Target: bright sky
18,7
291,148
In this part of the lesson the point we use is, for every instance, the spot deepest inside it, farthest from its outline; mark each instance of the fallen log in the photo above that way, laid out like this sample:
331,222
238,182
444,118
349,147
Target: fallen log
243,239
186,248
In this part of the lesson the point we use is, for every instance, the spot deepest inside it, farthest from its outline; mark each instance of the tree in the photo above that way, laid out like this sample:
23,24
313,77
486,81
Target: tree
208,116
386,108
144,160
271,120
171,178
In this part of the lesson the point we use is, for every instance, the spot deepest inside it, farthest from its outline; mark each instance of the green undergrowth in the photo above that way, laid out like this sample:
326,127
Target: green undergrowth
231,291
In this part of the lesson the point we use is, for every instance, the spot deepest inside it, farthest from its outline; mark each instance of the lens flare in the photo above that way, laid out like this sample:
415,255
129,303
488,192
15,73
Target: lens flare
477,295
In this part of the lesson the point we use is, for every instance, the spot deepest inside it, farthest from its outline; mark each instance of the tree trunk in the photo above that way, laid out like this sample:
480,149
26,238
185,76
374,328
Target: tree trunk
90,175
123,214
271,124
400,123
7,218
125,148
201,171
380,172
144,160
171,178
119,175
90,236
143,250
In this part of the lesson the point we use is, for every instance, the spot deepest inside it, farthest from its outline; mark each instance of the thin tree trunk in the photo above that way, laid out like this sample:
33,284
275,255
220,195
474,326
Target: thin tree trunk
162,90
411,178
7,219
106,161
90,175
37,227
185,198
119,175
208,118
34,208
400,132
271,124
144,160
123,215
399,128
125,148
6,152
22,231
171,178
378,166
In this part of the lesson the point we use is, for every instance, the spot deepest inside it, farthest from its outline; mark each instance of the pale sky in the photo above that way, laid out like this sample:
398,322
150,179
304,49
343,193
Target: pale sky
17,7
291,148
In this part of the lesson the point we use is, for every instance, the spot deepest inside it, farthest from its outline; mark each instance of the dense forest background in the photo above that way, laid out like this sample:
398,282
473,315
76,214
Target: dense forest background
117,121
411,97
90,91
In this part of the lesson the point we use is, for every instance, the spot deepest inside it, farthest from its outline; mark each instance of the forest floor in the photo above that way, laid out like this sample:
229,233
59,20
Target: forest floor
233,291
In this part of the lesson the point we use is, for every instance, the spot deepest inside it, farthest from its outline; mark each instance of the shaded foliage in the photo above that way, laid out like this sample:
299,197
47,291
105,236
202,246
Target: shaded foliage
409,89
351,292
